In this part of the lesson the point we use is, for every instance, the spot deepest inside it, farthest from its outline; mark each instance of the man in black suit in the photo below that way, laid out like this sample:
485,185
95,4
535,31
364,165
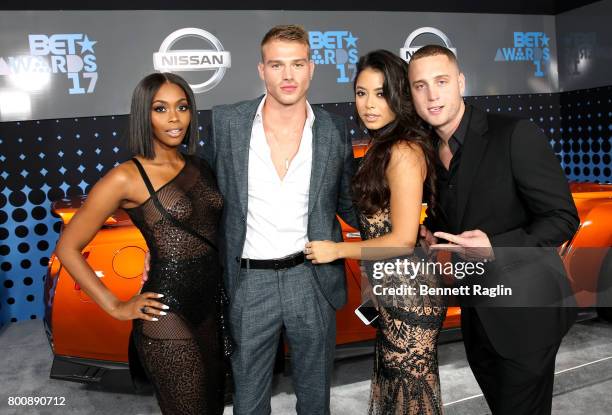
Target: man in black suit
501,196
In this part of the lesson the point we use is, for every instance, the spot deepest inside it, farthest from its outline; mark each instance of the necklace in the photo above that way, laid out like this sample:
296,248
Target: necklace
292,139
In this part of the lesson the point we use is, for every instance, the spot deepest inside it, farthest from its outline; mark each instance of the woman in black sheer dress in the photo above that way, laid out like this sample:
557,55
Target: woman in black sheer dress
388,190
178,338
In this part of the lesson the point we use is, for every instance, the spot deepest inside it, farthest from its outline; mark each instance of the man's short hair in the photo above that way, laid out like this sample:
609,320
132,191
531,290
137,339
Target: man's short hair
287,33
434,50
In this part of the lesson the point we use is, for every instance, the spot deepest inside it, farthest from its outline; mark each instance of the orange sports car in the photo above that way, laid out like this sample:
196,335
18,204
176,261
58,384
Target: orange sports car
90,346
588,257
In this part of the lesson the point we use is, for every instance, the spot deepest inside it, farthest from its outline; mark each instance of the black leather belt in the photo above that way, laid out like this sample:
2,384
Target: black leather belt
275,264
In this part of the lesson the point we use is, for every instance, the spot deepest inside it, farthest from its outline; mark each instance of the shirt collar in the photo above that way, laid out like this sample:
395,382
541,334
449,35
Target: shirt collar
310,117
461,131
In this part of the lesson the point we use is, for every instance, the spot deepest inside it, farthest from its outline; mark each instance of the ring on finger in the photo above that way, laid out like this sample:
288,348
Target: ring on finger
143,309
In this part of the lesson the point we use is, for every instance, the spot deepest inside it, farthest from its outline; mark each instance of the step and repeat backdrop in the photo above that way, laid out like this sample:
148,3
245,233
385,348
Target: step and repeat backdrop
66,80
74,64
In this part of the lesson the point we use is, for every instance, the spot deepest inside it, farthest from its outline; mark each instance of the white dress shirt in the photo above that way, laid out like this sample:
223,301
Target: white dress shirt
277,215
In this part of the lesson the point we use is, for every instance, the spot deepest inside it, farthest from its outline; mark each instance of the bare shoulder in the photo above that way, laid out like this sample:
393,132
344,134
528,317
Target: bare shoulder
118,183
407,153
121,175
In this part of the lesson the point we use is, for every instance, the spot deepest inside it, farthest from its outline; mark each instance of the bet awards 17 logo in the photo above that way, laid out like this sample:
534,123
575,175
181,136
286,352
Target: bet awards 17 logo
211,59
528,46
339,48
67,53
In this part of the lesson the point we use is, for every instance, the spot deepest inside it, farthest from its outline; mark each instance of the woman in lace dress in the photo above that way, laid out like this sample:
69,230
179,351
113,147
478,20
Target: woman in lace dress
388,191
178,329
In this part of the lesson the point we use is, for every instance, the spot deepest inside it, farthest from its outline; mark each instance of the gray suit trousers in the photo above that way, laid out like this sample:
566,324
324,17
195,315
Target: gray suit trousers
265,301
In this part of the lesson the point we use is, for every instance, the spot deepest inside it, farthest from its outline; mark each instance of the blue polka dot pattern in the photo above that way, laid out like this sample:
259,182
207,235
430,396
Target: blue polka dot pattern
585,141
577,123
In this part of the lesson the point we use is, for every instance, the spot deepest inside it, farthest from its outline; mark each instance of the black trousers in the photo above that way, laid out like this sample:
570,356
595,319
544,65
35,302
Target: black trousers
511,386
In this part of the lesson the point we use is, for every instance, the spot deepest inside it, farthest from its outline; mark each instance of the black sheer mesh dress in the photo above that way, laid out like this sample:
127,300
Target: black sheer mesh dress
405,380
182,354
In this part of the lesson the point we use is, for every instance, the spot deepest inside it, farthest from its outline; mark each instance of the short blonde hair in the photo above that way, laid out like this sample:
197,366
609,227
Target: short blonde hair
287,33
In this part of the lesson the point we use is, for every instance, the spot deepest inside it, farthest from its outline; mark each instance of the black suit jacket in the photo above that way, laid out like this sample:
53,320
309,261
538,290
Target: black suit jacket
511,186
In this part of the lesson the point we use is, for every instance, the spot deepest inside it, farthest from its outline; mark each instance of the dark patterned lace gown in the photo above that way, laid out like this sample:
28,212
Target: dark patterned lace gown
405,379
182,353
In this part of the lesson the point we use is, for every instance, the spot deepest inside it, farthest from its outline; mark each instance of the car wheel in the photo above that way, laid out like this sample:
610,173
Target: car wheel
604,290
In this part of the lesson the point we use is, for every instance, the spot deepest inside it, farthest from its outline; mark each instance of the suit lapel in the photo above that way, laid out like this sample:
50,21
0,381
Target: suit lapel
472,152
321,135
240,139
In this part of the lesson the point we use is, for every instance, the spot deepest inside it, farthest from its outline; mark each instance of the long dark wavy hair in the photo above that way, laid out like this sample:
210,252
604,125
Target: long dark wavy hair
140,133
370,188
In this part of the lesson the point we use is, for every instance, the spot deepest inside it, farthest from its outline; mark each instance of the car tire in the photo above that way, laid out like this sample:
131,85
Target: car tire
604,289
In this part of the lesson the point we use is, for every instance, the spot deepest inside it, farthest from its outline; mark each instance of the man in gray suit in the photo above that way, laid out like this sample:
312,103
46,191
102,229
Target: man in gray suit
284,169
